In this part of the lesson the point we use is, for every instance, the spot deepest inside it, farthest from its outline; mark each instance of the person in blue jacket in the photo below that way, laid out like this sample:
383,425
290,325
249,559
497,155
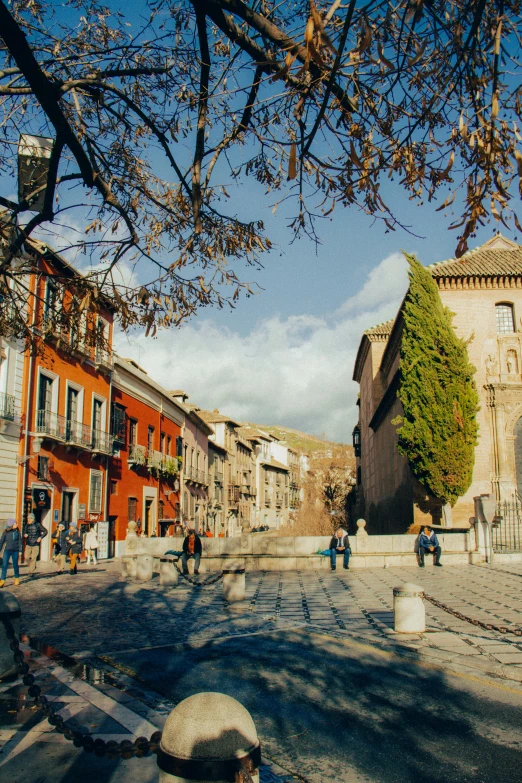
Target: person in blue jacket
12,540
429,543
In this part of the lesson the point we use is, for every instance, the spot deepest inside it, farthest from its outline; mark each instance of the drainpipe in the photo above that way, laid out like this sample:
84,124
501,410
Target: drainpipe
29,404
107,457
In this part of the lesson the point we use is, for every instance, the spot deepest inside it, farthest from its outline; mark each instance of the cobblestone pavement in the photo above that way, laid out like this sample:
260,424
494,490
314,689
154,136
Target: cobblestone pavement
118,632
96,613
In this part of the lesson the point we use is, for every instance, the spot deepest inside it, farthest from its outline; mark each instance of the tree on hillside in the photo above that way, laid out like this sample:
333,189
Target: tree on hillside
156,119
328,482
438,431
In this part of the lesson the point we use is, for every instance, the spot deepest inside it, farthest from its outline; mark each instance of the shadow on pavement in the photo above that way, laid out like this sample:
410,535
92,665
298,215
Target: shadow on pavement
332,710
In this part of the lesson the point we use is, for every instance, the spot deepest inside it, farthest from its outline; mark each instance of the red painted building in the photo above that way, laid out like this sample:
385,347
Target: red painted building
144,479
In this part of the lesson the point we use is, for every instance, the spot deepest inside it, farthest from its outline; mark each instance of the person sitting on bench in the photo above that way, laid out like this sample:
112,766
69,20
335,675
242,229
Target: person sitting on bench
191,548
428,542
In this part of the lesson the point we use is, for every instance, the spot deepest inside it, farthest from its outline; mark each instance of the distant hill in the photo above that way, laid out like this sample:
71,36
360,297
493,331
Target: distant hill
300,441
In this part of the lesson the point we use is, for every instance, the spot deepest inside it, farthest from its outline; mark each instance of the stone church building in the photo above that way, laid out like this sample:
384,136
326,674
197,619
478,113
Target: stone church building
484,291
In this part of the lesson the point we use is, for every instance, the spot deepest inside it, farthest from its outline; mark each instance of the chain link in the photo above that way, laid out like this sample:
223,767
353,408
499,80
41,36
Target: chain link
126,748
515,630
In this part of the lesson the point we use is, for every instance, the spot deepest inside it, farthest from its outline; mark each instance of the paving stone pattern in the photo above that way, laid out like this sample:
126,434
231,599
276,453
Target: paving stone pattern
95,612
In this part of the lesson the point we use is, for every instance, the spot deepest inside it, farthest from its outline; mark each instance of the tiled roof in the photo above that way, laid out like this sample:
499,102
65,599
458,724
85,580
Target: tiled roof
380,331
251,433
215,416
498,257
273,463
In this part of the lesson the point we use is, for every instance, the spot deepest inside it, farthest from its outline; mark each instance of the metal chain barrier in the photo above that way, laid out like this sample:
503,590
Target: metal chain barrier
126,749
515,630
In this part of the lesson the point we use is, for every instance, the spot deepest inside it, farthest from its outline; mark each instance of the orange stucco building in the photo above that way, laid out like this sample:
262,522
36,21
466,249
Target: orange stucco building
65,445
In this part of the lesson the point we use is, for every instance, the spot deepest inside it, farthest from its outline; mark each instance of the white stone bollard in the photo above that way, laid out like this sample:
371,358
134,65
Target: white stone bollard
169,575
9,610
128,566
234,585
409,614
144,568
208,737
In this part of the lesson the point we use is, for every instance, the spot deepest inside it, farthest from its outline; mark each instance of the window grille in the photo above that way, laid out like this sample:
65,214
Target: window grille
505,320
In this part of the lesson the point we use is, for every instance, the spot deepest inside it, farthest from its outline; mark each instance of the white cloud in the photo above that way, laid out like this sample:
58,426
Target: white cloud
293,371
385,282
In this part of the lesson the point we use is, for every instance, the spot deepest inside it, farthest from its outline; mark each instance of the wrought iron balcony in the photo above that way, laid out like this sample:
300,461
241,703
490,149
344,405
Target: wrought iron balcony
102,441
51,425
72,433
7,406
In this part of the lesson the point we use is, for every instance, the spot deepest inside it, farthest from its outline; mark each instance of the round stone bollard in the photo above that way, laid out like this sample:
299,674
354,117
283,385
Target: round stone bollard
9,610
144,568
208,737
409,614
234,585
169,575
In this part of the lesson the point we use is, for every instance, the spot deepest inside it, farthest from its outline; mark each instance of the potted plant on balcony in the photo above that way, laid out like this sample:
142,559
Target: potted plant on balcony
138,454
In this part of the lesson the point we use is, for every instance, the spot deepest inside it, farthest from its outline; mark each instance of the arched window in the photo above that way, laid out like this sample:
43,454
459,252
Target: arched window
504,317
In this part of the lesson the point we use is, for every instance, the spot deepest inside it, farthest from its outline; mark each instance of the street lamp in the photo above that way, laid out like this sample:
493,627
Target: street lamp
37,447
34,154
356,436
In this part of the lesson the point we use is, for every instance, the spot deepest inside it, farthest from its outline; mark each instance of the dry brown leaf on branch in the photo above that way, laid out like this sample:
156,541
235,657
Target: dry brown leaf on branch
292,162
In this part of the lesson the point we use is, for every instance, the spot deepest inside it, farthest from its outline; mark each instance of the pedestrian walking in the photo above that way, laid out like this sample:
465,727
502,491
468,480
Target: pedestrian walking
11,540
340,544
74,542
33,534
60,547
91,545
191,548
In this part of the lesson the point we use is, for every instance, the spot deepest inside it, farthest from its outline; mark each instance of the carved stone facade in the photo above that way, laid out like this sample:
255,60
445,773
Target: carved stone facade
484,291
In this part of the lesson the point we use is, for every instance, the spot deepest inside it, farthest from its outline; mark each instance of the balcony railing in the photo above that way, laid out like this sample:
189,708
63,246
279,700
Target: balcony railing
72,432
7,406
78,434
51,424
233,496
154,461
193,474
102,441
218,475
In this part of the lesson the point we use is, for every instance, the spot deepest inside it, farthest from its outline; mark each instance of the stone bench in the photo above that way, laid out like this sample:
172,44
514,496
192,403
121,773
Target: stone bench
144,566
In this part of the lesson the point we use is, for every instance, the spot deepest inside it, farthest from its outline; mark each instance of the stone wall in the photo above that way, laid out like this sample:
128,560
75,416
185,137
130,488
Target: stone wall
270,553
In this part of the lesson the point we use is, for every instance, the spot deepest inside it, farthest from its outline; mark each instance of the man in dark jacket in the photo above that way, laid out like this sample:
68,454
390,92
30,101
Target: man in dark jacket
12,540
191,548
61,546
428,542
340,544
33,534
75,544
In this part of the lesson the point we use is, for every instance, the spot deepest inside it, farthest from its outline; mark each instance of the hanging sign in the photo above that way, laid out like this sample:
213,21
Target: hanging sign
42,498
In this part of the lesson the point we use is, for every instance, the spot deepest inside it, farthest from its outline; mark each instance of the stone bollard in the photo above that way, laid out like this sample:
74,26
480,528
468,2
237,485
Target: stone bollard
128,566
208,737
9,610
169,575
144,568
234,587
409,614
